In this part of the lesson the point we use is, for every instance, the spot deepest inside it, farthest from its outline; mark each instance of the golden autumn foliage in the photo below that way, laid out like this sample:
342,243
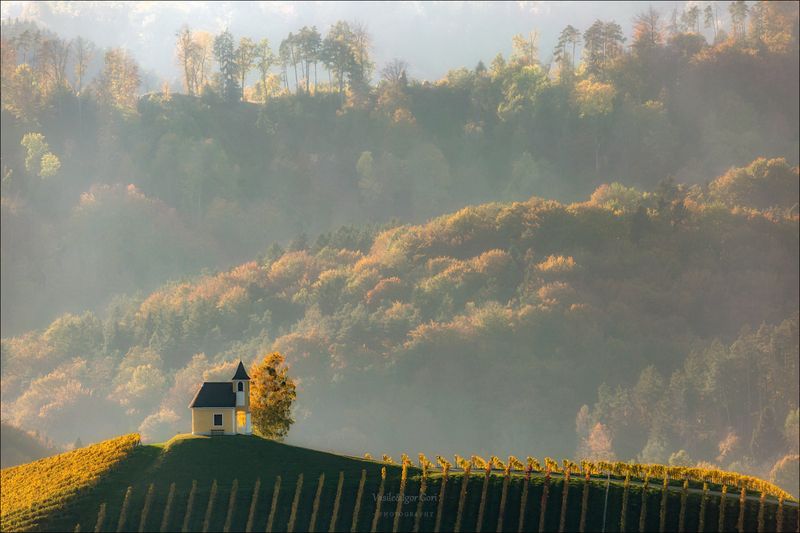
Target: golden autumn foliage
762,184
272,395
641,471
719,477
556,263
387,288
635,98
594,98
526,279
32,490
515,464
478,461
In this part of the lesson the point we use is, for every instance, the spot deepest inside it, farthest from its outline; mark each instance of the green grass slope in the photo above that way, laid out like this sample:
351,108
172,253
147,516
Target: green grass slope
248,461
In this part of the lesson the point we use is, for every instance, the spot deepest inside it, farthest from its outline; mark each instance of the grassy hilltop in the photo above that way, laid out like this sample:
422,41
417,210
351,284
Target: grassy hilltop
126,486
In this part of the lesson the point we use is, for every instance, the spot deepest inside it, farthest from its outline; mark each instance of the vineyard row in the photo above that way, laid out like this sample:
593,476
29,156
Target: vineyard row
450,502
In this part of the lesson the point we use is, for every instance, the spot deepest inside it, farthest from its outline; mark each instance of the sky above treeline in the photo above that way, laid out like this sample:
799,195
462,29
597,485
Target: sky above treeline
433,37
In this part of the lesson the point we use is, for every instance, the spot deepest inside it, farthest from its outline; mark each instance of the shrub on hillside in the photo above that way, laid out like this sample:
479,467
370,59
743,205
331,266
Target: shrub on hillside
762,184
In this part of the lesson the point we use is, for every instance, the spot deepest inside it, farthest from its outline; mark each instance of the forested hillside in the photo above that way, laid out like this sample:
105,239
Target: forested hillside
598,253
121,192
507,314
21,447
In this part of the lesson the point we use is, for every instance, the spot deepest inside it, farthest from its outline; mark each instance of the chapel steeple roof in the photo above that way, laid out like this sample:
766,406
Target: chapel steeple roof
241,373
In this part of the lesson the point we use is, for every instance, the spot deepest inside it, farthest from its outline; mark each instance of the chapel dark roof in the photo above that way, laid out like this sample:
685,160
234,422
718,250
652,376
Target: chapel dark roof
215,394
240,373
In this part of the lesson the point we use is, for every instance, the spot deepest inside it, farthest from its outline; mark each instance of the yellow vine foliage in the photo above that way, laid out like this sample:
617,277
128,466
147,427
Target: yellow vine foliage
515,464
478,461
719,477
444,463
497,463
425,464
634,470
533,464
32,491
551,465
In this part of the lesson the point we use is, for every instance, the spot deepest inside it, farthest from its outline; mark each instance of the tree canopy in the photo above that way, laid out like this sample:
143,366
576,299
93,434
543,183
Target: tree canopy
272,394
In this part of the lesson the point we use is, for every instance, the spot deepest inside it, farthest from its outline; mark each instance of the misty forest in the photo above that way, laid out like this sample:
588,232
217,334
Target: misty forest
589,250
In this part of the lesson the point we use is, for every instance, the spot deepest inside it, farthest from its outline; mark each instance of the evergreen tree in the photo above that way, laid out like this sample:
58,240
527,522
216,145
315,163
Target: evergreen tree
690,19
602,44
738,11
710,19
337,53
309,43
564,54
225,53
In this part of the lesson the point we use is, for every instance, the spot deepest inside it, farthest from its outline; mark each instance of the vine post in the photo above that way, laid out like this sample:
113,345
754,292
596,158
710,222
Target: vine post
379,500
123,513
253,502
275,493
231,504
624,511
167,508
315,507
295,503
211,498
148,501
101,518
187,515
336,502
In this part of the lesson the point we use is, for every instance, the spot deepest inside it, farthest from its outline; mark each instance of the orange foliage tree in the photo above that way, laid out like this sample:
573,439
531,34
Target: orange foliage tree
271,397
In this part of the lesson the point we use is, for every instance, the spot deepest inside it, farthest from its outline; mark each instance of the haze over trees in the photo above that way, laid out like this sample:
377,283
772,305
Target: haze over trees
604,110
479,304
665,272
